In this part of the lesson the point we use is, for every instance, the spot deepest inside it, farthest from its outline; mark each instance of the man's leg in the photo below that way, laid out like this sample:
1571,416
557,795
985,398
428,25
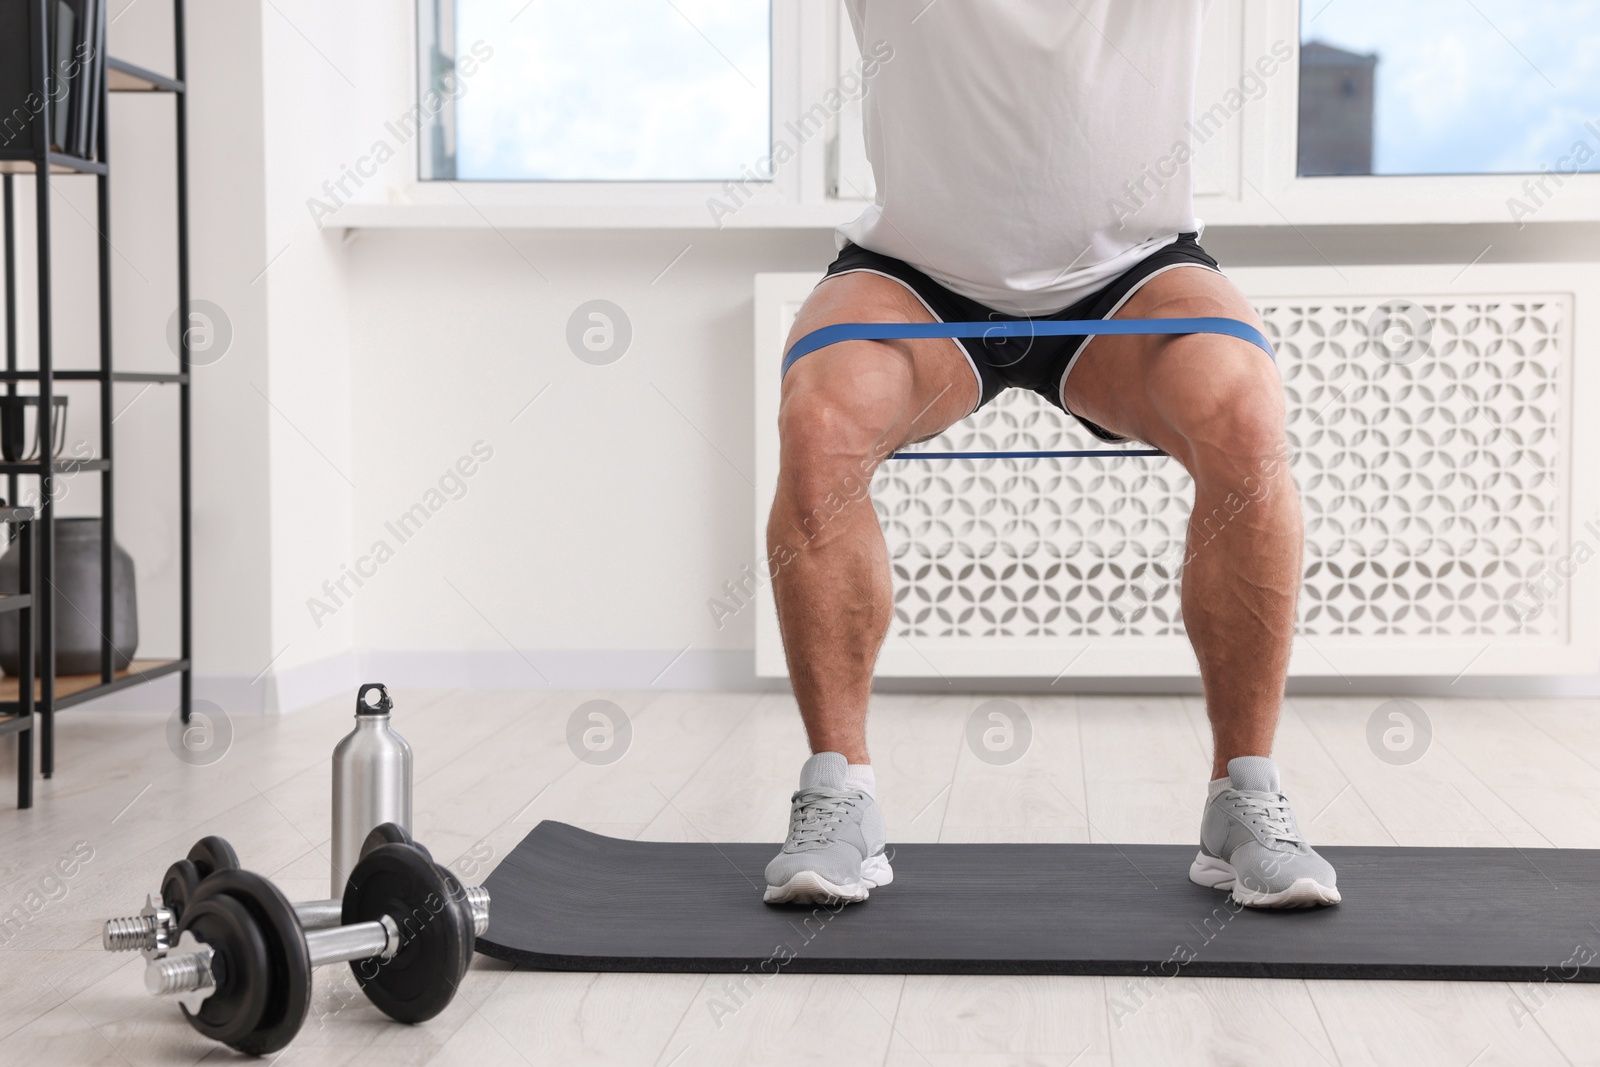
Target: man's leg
1215,404
844,409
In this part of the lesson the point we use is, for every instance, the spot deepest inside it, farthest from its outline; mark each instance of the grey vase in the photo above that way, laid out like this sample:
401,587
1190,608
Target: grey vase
77,601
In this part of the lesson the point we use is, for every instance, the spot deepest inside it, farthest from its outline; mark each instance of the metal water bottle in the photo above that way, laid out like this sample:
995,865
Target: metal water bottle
371,781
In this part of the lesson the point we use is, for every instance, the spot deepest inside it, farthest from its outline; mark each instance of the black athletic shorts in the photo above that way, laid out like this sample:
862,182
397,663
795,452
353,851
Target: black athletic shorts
1037,363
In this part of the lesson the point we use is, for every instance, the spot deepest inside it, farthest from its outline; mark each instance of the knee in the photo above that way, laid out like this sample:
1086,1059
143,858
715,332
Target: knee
1247,429
1235,421
830,445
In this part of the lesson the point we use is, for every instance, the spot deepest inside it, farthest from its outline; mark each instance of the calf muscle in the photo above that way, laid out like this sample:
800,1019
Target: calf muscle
1216,405
844,410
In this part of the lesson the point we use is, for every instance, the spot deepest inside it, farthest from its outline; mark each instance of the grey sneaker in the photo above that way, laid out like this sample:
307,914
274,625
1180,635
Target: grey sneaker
1249,843
835,849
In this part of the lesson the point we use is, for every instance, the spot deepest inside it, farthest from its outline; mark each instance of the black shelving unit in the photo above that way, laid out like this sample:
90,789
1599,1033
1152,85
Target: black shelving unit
20,719
38,159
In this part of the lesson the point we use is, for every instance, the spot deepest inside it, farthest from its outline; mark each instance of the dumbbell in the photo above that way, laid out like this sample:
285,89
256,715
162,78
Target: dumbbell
151,930
153,926
241,962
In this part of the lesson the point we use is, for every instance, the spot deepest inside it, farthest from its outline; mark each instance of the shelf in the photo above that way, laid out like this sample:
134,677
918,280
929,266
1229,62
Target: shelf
61,466
13,724
29,155
74,689
14,602
125,77
15,162
94,376
142,376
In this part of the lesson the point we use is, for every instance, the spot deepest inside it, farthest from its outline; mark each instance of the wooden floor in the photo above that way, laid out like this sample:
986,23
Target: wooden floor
720,767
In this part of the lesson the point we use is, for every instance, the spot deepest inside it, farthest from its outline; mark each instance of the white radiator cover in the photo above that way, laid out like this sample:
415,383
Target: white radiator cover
1450,501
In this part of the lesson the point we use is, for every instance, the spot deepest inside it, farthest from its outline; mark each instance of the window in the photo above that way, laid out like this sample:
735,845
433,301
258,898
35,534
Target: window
597,90
1449,87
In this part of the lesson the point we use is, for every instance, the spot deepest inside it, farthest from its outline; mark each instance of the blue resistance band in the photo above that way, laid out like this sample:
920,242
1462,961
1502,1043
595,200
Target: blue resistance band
1026,328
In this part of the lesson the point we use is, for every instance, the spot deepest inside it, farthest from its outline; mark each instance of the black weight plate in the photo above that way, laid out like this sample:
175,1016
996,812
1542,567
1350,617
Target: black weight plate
178,886
288,978
435,932
213,853
390,833
458,896
242,968
385,833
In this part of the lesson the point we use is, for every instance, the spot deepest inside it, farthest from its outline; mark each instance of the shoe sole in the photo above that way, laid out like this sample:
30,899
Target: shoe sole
809,887
1214,873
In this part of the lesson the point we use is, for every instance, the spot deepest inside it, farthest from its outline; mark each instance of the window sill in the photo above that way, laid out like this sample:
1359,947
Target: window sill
592,216
1340,204
1383,200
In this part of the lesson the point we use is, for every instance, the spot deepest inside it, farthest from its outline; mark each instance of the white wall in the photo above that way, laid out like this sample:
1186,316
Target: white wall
276,95
617,504
315,66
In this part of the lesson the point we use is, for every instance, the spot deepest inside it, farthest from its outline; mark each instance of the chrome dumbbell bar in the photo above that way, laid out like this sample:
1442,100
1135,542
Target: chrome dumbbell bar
151,930
189,968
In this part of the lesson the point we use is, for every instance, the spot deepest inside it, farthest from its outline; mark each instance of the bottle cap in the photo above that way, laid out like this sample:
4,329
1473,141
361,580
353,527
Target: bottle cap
373,699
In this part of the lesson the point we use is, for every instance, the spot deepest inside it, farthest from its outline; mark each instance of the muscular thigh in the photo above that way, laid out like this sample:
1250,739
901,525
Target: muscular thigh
895,391
1168,391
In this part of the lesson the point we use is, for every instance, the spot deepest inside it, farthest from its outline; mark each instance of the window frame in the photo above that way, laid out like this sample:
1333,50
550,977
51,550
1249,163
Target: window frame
804,66
1274,193
1253,178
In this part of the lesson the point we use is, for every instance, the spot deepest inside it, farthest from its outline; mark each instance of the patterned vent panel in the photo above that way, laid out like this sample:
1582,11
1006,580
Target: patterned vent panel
1427,440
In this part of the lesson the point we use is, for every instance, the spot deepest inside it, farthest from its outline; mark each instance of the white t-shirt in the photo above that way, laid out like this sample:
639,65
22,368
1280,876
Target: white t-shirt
1026,152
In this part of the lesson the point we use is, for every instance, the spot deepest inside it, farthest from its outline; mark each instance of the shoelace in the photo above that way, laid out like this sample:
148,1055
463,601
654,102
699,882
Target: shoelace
817,813
1270,812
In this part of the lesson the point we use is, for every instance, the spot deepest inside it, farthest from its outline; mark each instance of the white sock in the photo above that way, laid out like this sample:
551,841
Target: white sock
1217,785
860,776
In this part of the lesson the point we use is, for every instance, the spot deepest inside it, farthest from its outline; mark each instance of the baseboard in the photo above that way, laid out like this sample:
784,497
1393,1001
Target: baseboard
312,683
1586,685
239,694
692,669
734,670
716,670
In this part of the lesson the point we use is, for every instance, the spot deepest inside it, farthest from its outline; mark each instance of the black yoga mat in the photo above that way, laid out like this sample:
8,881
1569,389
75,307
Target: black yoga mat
566,899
